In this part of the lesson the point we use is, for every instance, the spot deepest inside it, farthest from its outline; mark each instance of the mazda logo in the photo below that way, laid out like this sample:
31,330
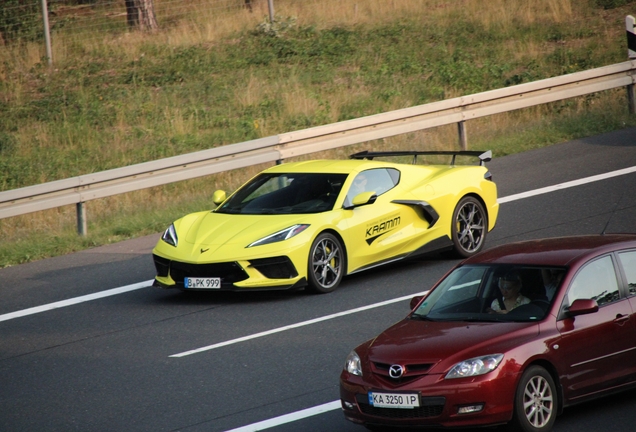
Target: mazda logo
396,371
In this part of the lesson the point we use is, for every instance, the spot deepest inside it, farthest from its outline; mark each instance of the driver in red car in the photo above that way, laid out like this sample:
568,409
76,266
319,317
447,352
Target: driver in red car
511,297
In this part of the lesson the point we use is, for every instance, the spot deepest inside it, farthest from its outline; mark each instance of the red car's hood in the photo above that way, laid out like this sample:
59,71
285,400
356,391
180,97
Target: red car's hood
443,344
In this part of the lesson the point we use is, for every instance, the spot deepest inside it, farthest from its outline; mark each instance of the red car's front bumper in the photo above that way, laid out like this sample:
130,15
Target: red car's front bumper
441,401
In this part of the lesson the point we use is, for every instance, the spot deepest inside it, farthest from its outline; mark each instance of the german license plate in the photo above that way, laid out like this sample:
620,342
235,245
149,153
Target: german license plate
202,283
394,400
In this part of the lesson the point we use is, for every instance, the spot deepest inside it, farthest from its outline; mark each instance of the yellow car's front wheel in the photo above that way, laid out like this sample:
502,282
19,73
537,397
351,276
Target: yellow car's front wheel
326,264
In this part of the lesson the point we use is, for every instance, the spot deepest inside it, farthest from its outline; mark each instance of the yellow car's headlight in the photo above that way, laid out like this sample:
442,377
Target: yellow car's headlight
285,234
170,236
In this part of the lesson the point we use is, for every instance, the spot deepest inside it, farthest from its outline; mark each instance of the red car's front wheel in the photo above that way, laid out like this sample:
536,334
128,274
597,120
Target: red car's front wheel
535,406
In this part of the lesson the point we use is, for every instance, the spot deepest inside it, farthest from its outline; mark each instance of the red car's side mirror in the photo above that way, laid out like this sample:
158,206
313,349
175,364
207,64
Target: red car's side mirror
583,307
415,300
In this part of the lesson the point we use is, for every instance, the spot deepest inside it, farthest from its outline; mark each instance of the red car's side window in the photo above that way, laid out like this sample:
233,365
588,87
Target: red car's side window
628,261
596,281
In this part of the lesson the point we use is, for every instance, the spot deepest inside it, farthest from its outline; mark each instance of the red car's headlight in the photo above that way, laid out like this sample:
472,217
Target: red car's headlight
475,366
352,364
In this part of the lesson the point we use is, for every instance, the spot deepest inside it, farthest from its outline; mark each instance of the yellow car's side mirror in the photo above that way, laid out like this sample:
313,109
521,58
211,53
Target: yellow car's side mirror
364,198
219,196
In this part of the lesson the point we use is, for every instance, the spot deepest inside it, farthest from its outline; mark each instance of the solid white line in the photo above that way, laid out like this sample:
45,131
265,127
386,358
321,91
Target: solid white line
288,418
566,185
293,326
76,300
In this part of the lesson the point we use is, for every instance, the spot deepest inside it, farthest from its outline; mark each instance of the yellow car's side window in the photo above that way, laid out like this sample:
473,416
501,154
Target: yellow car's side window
376,180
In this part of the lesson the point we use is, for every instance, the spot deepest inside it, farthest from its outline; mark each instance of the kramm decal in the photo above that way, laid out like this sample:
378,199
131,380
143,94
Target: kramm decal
376,230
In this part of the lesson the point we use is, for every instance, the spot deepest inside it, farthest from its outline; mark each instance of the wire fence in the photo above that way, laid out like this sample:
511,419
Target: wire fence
22,20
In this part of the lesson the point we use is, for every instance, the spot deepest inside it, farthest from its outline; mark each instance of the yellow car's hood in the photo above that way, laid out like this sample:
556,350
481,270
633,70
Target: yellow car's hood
211,229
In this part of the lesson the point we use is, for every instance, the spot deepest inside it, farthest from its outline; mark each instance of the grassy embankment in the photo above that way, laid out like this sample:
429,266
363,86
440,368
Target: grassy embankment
123,98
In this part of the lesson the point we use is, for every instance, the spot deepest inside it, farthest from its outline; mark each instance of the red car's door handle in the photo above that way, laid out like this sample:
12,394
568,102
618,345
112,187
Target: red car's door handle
620,318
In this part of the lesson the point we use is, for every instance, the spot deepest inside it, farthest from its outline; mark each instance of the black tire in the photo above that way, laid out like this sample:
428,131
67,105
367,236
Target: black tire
535,407
326,265
469,227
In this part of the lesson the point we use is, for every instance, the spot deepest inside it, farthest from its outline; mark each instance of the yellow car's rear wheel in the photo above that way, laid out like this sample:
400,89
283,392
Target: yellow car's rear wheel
470,226
326,264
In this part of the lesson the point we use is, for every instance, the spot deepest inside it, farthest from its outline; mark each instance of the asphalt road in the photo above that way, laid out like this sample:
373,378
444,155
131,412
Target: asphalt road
123,362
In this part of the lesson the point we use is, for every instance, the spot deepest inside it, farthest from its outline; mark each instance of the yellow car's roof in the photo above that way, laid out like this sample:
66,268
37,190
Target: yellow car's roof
329,166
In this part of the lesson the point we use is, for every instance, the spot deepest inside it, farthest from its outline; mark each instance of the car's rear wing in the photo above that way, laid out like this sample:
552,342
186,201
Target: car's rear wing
484,156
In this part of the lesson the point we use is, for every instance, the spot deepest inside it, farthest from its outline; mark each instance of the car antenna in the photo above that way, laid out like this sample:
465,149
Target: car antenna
613,212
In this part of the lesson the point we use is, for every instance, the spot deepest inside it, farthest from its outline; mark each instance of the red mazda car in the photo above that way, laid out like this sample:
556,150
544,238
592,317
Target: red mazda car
512,335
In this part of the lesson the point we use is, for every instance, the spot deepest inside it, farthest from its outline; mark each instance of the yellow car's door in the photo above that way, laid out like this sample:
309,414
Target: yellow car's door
378,229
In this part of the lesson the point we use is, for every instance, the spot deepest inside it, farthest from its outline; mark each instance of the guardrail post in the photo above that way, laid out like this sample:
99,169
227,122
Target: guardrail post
463,140
47,32
630,23
81,218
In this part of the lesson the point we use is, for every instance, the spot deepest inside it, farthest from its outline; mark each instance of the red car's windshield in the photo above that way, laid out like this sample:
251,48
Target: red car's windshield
492,293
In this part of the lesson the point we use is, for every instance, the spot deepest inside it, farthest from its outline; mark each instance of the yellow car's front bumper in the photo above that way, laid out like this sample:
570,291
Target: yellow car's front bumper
278,274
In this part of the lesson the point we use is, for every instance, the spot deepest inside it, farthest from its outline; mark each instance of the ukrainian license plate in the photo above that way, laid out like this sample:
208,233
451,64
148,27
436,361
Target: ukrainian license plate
202,283
394,400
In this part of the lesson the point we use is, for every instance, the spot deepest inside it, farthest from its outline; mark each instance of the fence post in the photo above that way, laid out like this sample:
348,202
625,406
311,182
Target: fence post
81,218
47,32
631,54
463,140
270,5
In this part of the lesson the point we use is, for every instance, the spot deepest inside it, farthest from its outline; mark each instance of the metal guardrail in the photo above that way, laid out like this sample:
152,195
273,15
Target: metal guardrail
78,190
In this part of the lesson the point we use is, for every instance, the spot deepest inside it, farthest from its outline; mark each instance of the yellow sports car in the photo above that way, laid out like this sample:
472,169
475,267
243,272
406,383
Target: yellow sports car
308,224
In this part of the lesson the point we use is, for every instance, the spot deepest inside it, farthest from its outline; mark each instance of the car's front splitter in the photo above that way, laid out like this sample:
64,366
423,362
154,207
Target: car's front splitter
300,284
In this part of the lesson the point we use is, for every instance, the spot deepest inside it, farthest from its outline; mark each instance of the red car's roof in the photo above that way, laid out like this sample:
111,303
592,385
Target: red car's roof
558,251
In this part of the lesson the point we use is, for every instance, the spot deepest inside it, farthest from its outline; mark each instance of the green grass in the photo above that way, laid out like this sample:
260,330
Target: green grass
111,101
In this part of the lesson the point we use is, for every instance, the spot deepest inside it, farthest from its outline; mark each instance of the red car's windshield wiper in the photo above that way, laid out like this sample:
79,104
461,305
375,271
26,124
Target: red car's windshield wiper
416,316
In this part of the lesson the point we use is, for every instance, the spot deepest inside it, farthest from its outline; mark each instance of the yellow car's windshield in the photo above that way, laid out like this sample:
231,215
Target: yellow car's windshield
290,193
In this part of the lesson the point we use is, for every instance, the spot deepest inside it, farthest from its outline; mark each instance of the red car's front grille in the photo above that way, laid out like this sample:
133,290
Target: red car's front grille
411,371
